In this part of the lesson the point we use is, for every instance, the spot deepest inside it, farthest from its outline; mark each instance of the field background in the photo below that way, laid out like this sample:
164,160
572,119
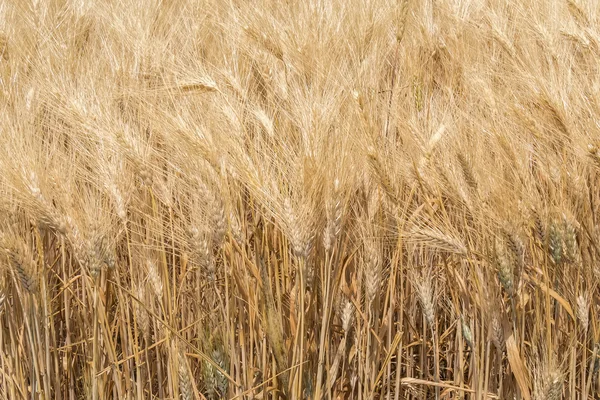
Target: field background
321,199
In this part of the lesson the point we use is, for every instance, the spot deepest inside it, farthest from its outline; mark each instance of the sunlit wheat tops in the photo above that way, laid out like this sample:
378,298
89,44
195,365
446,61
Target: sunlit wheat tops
318,199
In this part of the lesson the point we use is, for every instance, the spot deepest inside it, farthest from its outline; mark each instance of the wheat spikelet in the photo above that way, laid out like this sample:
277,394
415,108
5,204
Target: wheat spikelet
337,360
371,269
383,178
548,383
345,311
186,392
116,183
360,102
430,147
517,248
467,171
504,266
216,383
506,44
401,19
425,292
538,226
216,212
4,46
264,41
583,311
578,13
555,243
265,121
562,240
93,249
570,239
21,260
334,218
299,235
154,277
201,84
466,331
119,201
423,284
497,332
436,239
198,242
48,216
577,37
141,314
88,258
236,228
594,153
274,326
558,116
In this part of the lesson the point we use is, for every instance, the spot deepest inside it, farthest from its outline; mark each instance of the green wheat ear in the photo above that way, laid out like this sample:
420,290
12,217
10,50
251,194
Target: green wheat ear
466,331
216,383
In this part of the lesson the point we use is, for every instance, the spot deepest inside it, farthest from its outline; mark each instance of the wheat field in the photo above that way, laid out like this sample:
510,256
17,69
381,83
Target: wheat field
320,199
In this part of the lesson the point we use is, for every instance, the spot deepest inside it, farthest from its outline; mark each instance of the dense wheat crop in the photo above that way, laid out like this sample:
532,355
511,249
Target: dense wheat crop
320,199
